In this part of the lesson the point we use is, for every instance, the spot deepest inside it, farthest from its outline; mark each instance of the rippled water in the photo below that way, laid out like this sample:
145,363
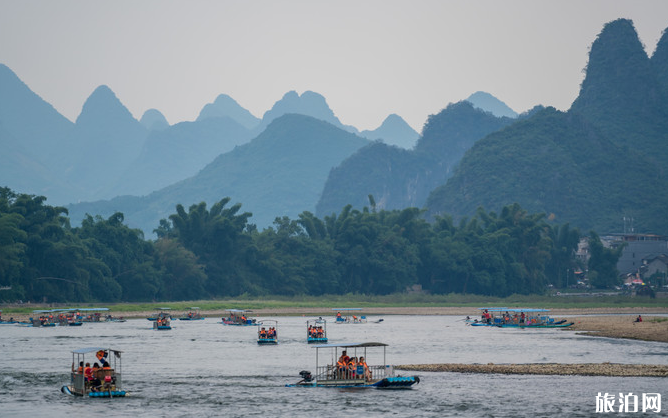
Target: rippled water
203,369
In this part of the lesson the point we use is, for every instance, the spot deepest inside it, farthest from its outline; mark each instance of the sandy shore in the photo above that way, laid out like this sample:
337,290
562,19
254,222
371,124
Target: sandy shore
623,326
587,369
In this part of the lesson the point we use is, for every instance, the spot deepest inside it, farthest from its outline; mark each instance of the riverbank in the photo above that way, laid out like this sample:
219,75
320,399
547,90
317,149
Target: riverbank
652,328
587,369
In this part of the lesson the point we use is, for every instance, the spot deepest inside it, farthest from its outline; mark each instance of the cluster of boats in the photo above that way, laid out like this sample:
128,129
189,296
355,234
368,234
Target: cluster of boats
162,320
331,370
516,318
353,372
63,317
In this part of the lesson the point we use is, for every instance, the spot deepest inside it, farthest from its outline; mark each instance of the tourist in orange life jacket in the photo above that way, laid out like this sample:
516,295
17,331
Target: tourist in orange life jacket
367,372
88,373
342,363
263,334
96,379
79,369
352,367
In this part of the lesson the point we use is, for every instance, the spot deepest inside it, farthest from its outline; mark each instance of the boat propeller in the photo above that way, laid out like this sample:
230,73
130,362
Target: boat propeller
306,375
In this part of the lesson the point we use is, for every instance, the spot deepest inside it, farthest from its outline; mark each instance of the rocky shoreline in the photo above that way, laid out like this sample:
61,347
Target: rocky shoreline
585,369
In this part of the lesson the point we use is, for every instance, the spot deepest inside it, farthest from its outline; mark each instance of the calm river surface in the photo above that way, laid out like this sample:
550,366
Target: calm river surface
206,369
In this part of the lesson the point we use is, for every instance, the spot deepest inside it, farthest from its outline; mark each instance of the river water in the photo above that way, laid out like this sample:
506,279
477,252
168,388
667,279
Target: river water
206,369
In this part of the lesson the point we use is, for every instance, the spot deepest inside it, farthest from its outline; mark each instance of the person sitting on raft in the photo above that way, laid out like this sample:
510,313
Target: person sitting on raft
80,369
367,372
342,364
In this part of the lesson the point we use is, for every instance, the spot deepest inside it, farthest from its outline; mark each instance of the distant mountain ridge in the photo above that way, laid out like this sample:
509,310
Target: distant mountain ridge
107,152
485,101
225,106
279,173
107,139
393,131
154,120
35,155
178,152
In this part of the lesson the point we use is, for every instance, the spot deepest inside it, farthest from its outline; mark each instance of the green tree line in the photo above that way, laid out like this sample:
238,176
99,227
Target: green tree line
204,253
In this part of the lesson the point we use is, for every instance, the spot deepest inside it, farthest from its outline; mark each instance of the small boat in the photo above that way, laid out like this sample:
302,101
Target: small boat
104,382
5,322
353,372
349,318
238,317
93,314
45,318
162,320
111,318
160,310
192,315
316,331
267,332
517,318
68,317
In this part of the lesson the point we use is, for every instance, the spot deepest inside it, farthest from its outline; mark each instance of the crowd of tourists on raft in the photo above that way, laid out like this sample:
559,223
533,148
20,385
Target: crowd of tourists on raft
352,367
268,334
100,376
316,331
509,318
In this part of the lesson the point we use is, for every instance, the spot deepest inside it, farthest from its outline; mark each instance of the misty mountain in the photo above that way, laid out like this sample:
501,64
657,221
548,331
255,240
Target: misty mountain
309,104
393,131
178,152
154,120
281,172
591,166
225,106
35,141
107,139
399,178
489,103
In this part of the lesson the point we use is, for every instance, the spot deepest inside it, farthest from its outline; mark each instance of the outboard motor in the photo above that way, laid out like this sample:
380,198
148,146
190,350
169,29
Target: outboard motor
306,375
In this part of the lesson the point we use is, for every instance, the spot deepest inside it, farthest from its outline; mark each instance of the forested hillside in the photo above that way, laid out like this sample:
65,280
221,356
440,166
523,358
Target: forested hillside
602,160
207,252
398,178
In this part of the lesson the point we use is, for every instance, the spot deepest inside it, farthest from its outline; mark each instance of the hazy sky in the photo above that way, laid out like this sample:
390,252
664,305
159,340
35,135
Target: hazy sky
367,58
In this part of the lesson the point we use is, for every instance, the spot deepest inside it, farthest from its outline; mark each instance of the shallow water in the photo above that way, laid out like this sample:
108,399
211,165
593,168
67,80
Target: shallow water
203,368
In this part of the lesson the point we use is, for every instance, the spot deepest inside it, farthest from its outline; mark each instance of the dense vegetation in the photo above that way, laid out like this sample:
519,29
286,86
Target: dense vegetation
204,253
400,178
601,161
